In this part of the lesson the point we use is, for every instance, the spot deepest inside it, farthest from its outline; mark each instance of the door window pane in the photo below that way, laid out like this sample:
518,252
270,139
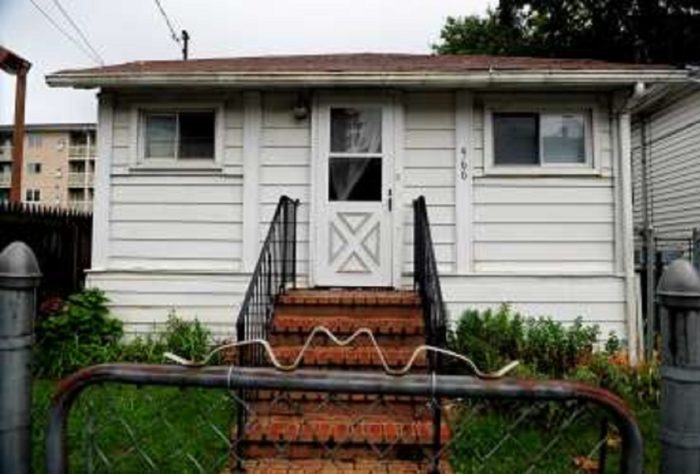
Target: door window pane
356,130
516,139
161,135
355,179
196,135
563,138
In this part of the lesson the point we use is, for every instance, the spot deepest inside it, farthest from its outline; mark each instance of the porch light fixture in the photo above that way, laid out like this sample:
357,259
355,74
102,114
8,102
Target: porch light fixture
301,108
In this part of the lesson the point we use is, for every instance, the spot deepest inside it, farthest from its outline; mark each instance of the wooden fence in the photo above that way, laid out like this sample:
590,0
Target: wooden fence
60,238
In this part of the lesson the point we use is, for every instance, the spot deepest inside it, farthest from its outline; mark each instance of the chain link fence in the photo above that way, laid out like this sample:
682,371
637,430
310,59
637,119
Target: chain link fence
131,418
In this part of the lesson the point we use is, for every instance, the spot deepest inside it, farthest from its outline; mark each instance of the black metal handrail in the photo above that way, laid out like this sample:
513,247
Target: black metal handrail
427,283
274,271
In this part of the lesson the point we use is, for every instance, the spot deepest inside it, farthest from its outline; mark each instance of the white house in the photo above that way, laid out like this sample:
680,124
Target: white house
524,163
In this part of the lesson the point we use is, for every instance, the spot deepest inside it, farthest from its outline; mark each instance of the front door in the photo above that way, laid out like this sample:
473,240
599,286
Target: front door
354,195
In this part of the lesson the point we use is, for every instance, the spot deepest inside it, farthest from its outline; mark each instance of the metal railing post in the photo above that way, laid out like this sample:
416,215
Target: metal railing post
19,280
679,296
650,301
696,248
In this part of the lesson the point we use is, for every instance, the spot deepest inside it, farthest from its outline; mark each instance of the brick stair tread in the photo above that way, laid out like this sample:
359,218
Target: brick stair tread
292,323
327,466
347,356
352,429
351,297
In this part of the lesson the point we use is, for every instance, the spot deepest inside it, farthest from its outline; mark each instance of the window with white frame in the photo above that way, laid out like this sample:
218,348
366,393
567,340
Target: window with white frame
522,139
179,135
34,168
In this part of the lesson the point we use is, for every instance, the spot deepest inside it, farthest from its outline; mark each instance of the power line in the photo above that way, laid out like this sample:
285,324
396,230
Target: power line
176,38
78,30
65,33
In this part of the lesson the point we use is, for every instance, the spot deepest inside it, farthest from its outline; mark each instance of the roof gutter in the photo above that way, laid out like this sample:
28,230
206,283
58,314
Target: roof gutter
359,79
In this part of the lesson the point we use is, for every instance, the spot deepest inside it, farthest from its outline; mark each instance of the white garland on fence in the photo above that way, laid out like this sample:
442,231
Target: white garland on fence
342,343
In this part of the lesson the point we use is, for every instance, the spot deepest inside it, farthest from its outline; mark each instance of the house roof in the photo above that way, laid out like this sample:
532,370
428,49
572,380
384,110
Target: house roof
361,69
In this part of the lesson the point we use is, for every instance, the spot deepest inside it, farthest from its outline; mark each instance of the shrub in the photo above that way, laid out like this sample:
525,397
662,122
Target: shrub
493,338
81,333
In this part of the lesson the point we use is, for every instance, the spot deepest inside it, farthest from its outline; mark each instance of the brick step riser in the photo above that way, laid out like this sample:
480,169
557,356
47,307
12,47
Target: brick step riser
370,411
353,466
350,298
384,340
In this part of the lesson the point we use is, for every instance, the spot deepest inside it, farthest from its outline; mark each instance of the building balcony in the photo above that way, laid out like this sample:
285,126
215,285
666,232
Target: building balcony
5,153
80,180
5,179
83,206
81,151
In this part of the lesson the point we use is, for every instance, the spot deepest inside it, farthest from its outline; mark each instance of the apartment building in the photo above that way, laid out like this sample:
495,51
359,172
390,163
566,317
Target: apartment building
59,164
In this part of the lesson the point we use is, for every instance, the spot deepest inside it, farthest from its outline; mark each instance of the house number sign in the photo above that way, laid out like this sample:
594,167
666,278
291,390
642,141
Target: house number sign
463,164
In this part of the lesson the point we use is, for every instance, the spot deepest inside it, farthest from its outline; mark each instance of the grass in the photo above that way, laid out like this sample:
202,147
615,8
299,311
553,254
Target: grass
121,428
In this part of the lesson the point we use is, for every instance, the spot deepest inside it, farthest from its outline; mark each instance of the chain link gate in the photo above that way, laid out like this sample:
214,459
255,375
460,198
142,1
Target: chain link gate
165,418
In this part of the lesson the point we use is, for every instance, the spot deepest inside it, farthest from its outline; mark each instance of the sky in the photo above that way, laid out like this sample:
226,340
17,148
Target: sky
128,30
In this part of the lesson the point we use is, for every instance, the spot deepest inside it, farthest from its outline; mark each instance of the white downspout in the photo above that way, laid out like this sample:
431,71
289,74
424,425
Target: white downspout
624,148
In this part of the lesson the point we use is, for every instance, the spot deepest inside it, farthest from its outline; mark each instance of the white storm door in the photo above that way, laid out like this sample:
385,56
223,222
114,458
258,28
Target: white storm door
354,196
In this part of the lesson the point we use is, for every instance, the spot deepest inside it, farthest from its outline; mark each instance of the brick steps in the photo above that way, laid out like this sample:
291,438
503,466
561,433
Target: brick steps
319,432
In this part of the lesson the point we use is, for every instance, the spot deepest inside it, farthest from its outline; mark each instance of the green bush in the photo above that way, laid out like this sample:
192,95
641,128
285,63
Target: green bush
493,338
188,339
82,332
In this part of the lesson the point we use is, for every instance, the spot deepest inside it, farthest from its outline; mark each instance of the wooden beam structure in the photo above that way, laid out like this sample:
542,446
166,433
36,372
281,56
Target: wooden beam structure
18,66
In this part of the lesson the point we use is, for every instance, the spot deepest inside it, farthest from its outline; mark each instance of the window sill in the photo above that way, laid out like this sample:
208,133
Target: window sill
541,171
177,168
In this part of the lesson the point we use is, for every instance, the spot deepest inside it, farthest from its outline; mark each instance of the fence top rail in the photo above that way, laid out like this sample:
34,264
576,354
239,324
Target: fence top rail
449,386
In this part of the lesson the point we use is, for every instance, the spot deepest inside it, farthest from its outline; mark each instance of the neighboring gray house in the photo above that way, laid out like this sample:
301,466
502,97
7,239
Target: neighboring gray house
525,164
666,162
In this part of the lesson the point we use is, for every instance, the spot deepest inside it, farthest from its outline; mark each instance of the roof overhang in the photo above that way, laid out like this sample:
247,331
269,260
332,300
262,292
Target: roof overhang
472,79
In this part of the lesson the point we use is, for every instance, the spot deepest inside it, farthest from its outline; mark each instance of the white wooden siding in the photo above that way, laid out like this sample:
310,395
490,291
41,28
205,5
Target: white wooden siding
285,167
543,244
429,157
171,220
673,168
545,224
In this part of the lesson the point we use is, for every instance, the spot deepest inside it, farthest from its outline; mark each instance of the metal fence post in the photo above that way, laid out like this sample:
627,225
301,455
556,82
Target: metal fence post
679,296
19,280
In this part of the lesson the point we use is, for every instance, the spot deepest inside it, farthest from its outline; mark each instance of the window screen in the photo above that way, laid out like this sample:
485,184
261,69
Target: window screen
563,138
161,135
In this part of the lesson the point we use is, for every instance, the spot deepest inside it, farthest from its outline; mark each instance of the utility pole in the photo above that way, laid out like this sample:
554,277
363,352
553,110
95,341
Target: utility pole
13,64
185,44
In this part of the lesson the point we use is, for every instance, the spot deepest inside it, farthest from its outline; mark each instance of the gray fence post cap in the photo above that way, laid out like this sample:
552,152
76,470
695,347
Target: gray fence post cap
18,267
679,285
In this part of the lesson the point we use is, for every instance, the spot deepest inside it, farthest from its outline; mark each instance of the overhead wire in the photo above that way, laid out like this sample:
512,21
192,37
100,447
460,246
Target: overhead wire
78,30
174,35
70,37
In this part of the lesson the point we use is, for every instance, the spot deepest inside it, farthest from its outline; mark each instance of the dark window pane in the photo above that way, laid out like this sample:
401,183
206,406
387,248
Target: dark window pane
516,139
355,179
196,135
161,130
356,130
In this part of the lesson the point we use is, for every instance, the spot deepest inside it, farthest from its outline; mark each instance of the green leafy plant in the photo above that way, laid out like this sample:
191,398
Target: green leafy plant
81,333
492,338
